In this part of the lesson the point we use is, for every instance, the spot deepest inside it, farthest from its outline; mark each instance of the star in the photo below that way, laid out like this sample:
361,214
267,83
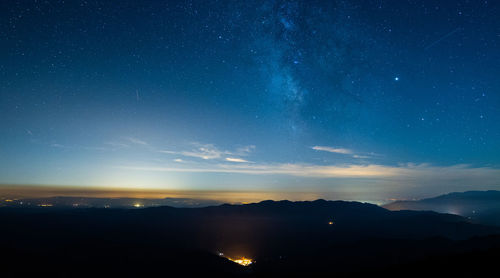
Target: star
396,78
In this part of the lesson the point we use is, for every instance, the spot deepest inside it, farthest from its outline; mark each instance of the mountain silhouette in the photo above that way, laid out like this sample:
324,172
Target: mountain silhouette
477,206
279,236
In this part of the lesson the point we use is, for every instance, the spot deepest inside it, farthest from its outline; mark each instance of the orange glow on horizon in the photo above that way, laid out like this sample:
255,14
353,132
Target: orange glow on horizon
236,197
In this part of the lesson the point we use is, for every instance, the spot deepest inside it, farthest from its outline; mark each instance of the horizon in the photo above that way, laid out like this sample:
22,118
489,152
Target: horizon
231,197
204,198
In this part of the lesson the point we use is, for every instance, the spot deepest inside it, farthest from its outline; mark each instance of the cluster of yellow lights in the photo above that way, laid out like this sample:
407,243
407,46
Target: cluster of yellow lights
45,205
138,205
242,261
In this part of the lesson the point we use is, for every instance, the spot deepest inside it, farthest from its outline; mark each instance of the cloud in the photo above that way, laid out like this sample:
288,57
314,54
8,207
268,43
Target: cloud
137,141
245,150
207,151
233,159
210,152
303,170
332,150
406,172
360,181
360,156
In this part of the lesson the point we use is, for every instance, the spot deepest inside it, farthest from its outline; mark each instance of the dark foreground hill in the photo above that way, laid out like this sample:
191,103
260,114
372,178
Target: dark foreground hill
478,206
302,238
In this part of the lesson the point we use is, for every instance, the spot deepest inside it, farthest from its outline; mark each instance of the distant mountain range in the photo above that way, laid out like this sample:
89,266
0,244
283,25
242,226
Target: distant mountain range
477,206
281,238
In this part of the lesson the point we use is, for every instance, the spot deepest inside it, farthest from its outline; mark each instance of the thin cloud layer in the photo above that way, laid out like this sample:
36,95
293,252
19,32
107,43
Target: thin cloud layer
239,160
210,152
343,151
407,171
137,141
332,149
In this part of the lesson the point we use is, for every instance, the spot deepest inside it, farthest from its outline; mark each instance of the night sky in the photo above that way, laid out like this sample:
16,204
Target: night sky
363,100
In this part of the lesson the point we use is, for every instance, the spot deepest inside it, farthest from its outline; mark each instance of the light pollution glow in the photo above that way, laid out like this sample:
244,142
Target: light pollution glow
251,182
41,191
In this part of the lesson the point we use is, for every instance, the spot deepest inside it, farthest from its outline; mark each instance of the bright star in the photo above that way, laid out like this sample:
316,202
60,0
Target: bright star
396,78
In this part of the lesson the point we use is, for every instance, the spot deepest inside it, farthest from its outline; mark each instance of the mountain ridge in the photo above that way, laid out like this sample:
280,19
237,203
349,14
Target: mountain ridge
477,206
282,236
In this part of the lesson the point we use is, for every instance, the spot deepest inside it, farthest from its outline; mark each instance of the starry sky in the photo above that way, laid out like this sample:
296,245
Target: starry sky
362,100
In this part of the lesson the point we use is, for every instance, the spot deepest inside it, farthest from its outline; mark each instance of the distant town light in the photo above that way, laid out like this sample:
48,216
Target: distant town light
330,223
242,261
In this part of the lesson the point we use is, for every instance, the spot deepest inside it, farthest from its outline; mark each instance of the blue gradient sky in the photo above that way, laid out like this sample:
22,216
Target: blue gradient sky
378,99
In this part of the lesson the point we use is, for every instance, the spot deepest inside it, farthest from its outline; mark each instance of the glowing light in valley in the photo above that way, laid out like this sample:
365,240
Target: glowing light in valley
242,261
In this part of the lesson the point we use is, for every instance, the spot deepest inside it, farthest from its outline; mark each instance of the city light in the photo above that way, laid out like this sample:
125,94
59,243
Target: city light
242,261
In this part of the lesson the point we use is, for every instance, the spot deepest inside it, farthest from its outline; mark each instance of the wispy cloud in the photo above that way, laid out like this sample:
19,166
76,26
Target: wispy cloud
405,172
239,160
303,170
341,151
207,151
332,149
360,156
245,150
136,141
210,152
